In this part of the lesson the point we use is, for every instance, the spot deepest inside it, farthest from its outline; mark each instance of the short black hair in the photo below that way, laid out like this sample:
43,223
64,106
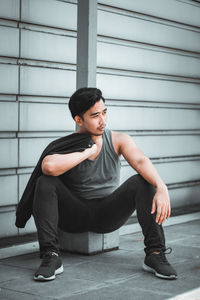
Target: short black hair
83,99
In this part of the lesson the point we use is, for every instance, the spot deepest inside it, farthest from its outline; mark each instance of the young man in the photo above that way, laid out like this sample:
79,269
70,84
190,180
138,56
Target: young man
79,191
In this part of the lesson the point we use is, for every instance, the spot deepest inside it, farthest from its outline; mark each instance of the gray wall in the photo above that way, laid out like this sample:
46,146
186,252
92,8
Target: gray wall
148,69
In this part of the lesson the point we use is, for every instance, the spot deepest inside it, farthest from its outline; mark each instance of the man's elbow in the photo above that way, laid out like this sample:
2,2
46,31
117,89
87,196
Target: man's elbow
142,162
47,167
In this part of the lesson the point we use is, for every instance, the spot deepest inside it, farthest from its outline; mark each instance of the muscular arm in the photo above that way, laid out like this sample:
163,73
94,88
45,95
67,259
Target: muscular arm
57,164
143,165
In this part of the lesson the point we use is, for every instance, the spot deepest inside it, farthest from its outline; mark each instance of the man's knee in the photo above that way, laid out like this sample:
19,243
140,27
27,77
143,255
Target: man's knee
44,181
141,184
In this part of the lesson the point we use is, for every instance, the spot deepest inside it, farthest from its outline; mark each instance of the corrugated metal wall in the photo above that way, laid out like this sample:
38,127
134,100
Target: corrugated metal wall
148,68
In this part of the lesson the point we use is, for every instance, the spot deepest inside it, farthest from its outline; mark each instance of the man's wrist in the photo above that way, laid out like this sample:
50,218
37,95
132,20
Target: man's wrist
161,187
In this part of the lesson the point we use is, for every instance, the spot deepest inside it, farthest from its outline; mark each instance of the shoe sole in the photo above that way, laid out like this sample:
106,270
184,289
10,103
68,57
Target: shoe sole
150,270
42,278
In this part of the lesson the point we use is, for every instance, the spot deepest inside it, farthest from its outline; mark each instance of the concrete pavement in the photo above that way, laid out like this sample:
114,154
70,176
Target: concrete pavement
112,275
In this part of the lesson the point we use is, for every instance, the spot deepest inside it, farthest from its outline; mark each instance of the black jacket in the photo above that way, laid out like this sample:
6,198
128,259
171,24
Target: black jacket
75,142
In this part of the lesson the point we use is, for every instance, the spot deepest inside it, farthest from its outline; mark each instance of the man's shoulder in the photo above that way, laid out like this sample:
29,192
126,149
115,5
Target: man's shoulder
119,136
118,140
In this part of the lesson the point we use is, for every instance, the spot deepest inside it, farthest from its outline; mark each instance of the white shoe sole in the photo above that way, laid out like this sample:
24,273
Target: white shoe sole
42,278
148,269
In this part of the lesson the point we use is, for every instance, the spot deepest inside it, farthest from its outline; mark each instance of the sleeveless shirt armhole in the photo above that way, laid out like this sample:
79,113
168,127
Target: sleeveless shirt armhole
111,144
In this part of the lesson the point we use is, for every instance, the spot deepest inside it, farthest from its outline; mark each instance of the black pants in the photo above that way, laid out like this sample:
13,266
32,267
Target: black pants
56,206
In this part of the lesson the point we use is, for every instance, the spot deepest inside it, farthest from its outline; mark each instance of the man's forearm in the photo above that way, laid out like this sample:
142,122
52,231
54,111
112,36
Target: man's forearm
57,164
147,170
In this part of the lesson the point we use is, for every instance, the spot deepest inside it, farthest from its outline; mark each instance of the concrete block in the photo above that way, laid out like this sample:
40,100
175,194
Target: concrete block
88,242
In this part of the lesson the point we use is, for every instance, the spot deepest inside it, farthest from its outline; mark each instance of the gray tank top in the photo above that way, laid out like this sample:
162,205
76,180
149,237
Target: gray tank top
96,178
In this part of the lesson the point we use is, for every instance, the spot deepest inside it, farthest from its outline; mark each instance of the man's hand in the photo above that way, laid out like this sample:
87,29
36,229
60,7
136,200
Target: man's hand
93,149
91,152
161,204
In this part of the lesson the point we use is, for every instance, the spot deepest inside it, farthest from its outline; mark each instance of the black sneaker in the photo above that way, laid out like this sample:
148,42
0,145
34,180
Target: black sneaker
51,265
158,264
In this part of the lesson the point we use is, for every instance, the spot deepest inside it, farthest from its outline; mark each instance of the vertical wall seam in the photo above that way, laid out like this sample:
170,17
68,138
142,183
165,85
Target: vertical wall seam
18,103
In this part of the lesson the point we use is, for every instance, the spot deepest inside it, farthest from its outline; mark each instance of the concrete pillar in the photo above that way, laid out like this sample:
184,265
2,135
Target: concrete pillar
86,43
88,242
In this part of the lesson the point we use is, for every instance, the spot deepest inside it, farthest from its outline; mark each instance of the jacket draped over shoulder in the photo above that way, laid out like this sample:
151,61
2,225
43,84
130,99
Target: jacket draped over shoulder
75,142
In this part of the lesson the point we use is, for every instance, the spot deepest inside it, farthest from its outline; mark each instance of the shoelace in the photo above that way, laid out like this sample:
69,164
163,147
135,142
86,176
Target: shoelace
162,257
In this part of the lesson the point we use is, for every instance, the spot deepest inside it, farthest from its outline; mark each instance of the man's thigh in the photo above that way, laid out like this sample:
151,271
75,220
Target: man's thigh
113,211
74,213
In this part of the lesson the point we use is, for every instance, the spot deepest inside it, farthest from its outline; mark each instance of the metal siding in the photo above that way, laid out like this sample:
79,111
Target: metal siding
150,118
9,79
8,153
8,188
48,47
171,172
130,87
46,81
50,13
180,11
37,76
45,117
169,145
147,31
30,150
147,59
9,36
8,116
6,224
148,69
9,9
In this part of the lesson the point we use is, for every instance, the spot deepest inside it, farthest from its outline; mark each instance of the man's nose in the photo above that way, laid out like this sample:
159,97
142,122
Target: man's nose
103,119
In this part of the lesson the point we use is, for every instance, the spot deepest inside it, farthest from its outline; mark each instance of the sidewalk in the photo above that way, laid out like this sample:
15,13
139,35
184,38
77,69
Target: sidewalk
112,275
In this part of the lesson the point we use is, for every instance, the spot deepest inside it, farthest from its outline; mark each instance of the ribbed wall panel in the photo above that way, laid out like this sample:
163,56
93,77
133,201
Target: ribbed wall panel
130,56
148,69
48,47
129,27
171,171
140,87
37,77
151,118
49,13
9,9
186,12
9,36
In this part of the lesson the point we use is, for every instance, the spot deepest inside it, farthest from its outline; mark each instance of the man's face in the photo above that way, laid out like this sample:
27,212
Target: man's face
94,119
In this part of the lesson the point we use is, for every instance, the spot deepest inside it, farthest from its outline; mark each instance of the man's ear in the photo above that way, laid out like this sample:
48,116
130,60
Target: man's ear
78,120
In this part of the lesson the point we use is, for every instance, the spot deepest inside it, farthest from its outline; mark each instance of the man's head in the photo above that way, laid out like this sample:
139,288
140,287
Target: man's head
88,110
